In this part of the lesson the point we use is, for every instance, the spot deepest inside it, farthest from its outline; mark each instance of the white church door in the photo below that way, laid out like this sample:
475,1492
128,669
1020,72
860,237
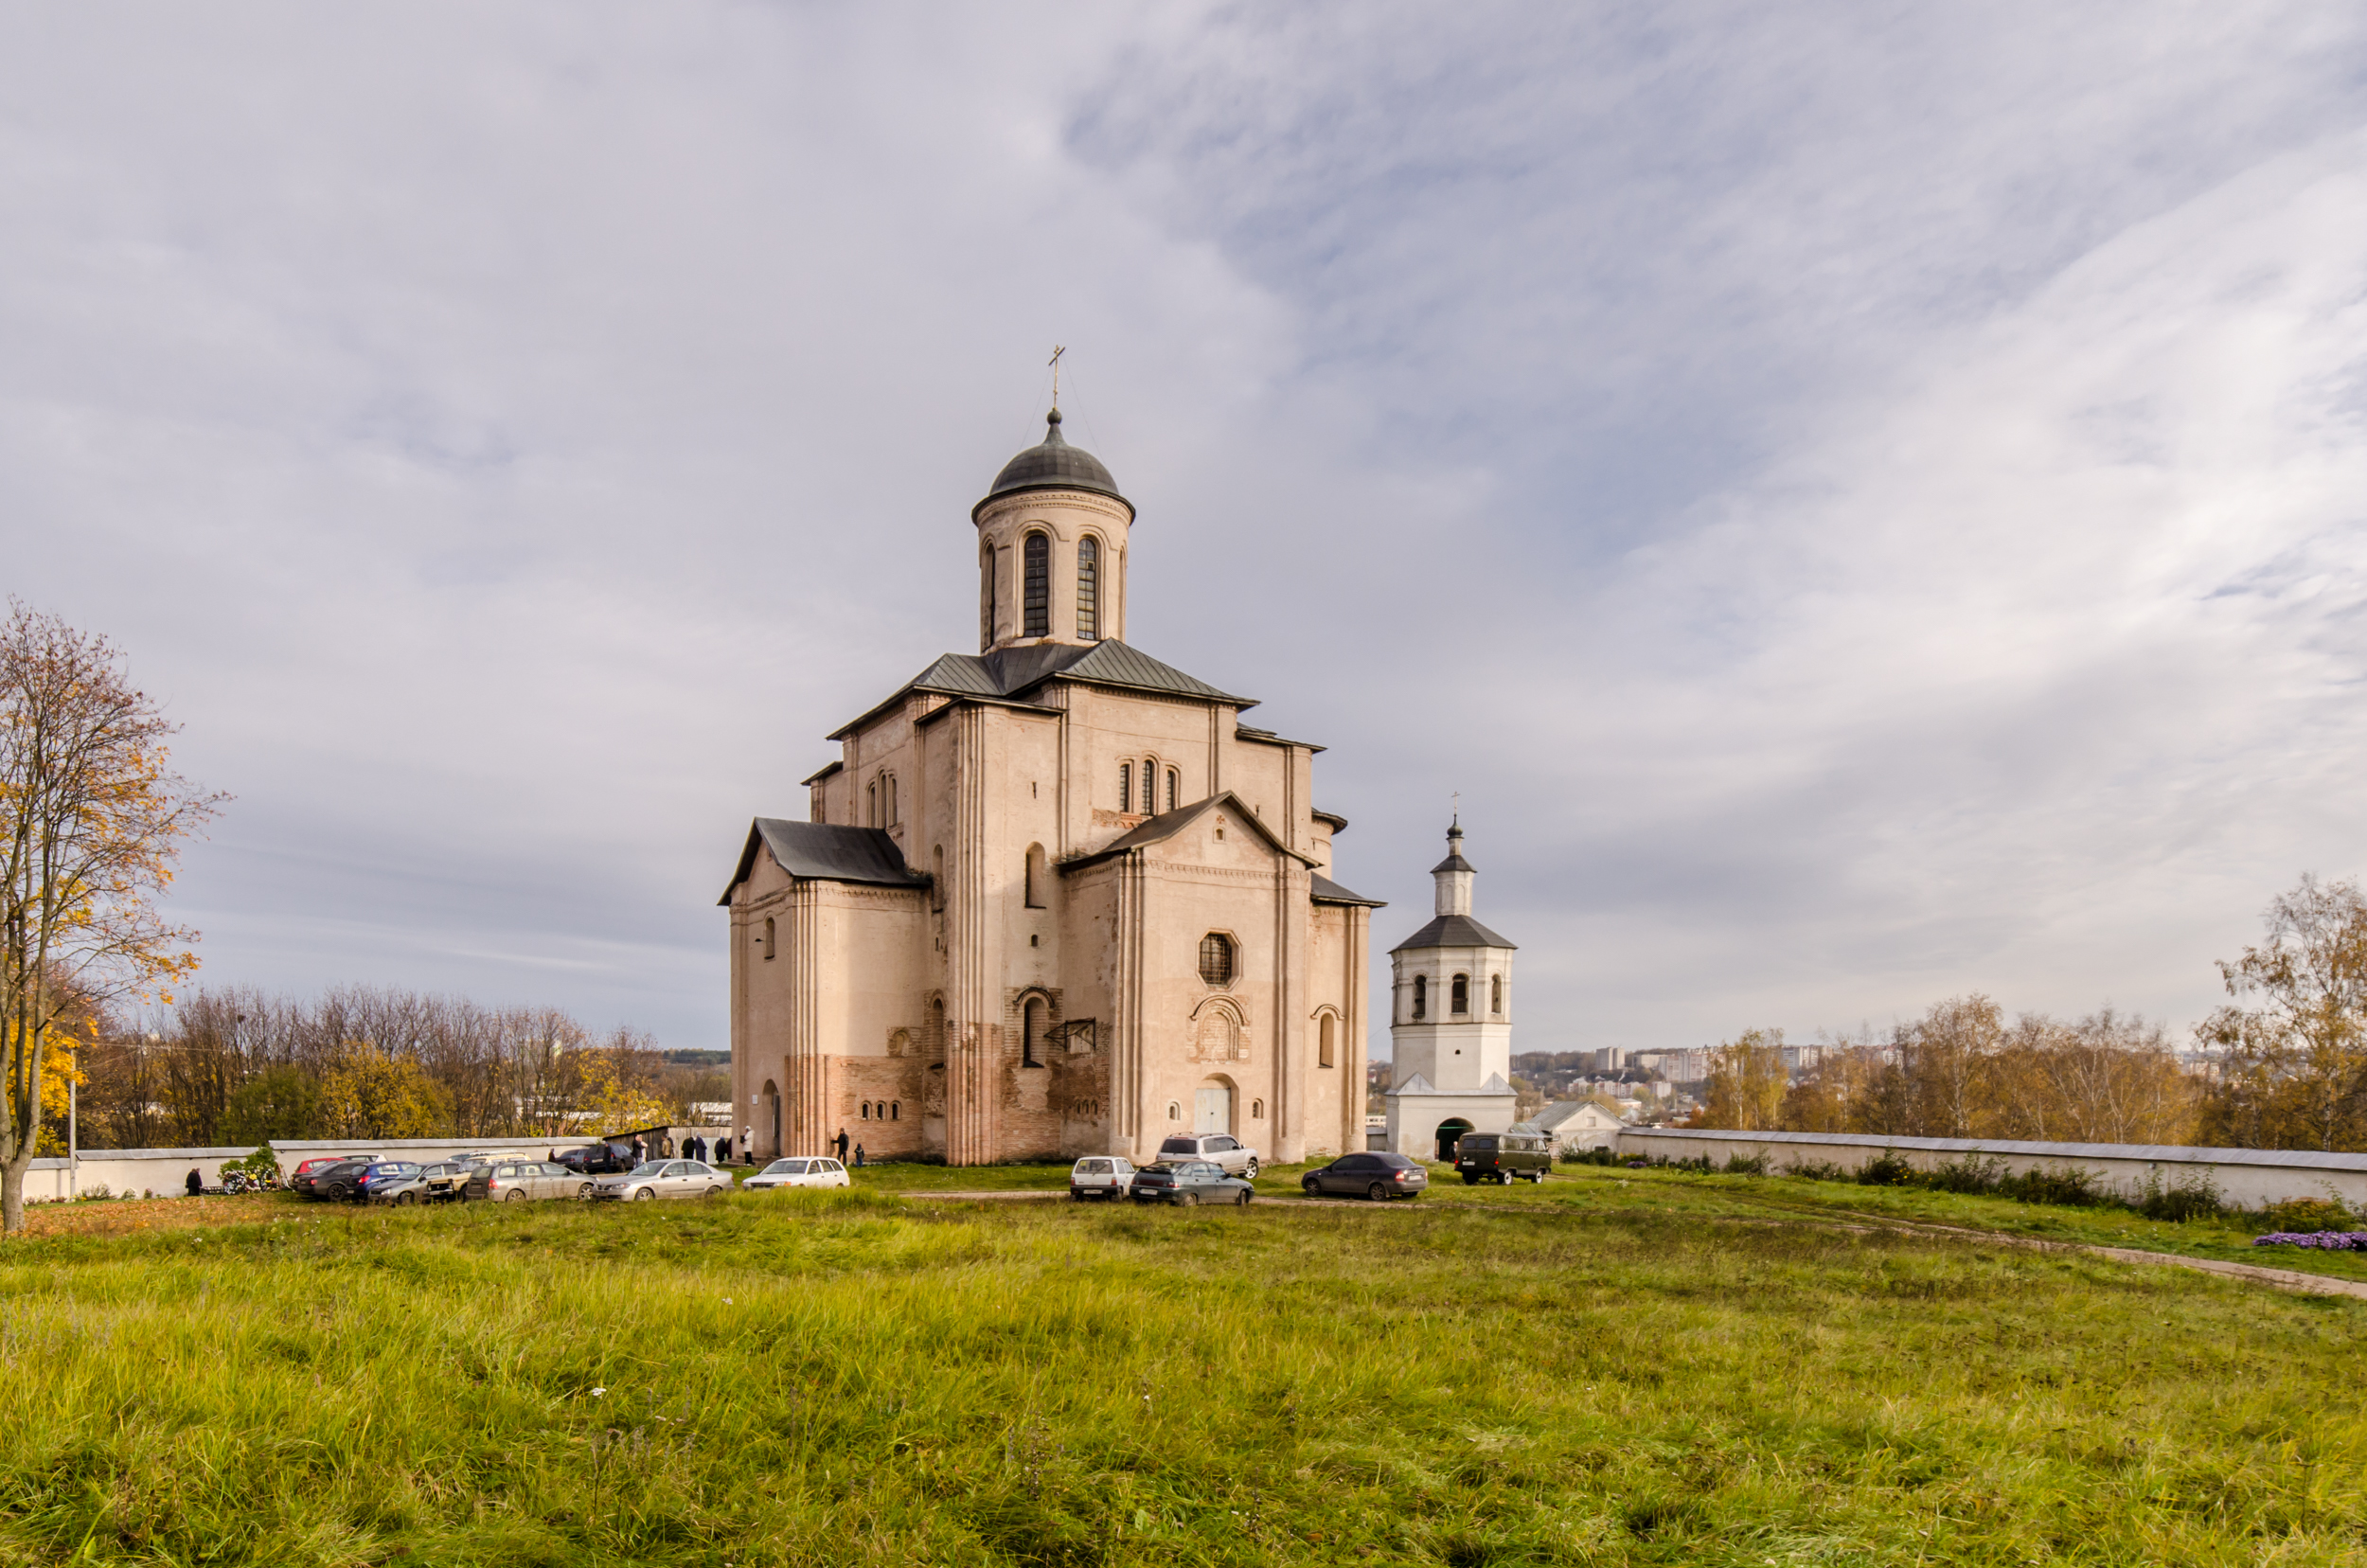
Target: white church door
1211,1110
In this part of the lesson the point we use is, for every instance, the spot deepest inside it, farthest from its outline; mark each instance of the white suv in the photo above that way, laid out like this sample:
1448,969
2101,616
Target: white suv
1237,1158
1101,1176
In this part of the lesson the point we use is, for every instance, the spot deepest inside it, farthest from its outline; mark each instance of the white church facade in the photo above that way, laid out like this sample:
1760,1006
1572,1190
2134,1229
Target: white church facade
1450,1023
1054,898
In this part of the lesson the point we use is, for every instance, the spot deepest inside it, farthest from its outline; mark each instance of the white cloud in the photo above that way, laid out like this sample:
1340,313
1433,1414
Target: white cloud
1861,507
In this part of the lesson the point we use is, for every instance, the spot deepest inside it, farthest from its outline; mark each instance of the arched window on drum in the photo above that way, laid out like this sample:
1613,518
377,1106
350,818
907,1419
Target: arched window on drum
1036,584
1089,589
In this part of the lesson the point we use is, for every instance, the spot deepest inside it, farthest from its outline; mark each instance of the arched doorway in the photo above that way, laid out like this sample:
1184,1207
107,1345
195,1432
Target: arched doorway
1212,1107
1448,1130
768,1120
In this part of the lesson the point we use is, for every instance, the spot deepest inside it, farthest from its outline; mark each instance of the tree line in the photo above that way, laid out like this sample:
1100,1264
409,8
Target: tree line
2284,1063
236,1065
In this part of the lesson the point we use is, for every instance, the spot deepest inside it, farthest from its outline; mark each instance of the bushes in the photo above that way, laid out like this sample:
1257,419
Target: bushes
1970,1174
1589,1158
1819,1171
2306,1214
2192,1196
2325,1240
1887,1170
2071,1186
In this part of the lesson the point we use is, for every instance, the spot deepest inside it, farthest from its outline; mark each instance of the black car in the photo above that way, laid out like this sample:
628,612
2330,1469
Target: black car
1500,1156
599,1159
1373,1176
1184,1182
337,1181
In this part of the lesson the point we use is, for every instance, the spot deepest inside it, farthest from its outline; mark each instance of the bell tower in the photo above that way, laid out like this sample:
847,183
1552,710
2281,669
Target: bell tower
1052,541
1451,1022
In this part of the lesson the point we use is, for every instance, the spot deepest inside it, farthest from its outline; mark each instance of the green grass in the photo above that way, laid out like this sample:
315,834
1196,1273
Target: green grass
1627,1367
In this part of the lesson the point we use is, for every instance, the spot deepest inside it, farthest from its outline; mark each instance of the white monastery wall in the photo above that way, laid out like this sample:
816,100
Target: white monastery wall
2248,1177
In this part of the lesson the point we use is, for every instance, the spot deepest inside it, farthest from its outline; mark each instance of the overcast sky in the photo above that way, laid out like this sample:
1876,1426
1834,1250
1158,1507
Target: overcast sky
1865,507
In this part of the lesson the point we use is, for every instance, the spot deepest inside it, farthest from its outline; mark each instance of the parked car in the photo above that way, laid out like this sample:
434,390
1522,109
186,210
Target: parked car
515,1181
302,1180
1236,1157
1375,1176
443,1182
1103,1176
446,1181
337,1180
1500,1156
599,1159
1184,1182
791,1174
387,1174
665,1179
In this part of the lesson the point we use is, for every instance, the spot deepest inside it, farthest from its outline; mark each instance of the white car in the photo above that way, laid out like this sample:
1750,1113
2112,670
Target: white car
1103,1176
805,1173
665,1179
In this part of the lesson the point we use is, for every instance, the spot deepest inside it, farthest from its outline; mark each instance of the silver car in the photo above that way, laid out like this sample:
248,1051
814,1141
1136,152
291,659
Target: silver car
665,1179
515,1181
1236,1157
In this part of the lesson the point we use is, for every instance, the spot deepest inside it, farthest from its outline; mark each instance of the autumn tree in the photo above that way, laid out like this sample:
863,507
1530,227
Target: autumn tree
1746,1083
2293,1062
369,1093
91,823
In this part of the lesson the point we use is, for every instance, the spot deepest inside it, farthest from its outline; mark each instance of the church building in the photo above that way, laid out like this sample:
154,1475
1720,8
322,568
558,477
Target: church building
1054,898
1451,1030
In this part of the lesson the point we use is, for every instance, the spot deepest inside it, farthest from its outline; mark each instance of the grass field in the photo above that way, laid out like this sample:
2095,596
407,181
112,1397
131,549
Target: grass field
1620,1368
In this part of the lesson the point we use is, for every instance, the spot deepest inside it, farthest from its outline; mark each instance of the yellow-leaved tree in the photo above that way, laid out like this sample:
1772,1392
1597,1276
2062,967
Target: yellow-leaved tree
1746,1083
91,823
2293,1065
616,1101
367,1093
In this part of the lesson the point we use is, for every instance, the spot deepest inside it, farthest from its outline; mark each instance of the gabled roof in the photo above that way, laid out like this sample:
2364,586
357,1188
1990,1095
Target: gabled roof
1495,1088
1452,930
815,852
1167,823
1008,673
1322,889
1564,1111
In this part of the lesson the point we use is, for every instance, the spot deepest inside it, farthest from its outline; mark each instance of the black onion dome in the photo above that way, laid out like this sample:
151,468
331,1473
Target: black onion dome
1054,465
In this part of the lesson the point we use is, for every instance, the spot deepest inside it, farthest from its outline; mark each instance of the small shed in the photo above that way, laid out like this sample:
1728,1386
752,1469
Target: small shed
1580,1124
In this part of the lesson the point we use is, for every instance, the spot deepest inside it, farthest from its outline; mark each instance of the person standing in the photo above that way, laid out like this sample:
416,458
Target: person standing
859,1156
640,1150
841,1146
723,1150
196,1184
748,1144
